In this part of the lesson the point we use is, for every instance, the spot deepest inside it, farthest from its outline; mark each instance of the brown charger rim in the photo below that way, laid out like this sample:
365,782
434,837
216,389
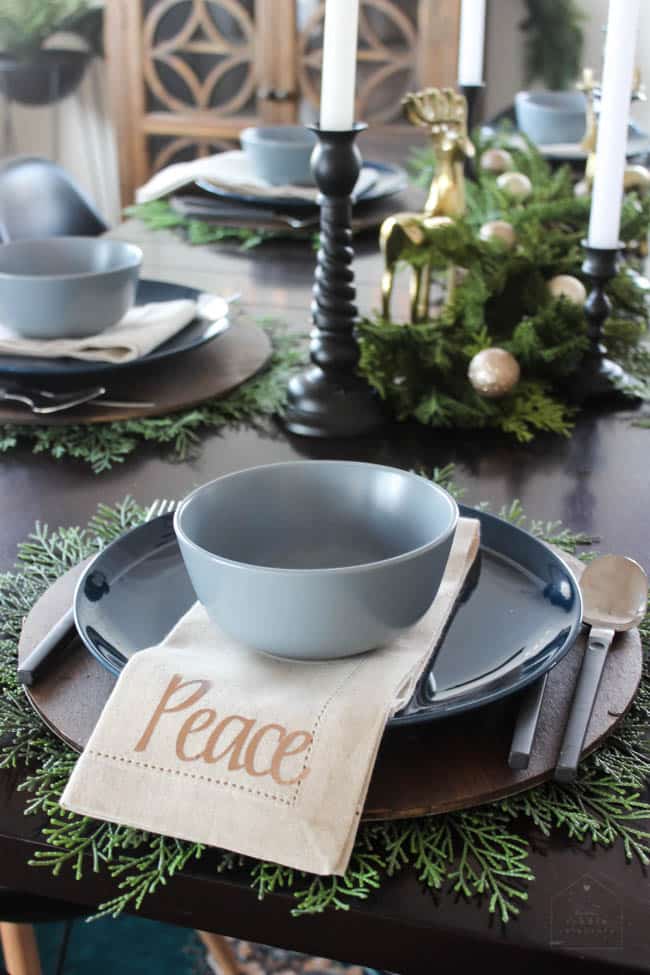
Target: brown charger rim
421,770
211,371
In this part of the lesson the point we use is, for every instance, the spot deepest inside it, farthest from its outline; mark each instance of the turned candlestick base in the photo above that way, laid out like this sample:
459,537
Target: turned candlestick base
324,405
330,399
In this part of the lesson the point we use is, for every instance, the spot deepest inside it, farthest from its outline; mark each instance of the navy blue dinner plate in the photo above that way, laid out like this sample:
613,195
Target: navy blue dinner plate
200,330
389,180
518,615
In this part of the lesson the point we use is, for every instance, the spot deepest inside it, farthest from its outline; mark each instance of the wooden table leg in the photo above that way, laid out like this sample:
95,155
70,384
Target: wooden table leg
220,952
20,949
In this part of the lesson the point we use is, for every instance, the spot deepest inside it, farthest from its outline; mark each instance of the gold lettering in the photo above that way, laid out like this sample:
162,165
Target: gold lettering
235,745
284,750
197,721
251,748
175,684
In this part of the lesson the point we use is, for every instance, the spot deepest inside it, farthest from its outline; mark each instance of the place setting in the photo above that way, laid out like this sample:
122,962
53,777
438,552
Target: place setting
282,617
363,628
267,185
81,330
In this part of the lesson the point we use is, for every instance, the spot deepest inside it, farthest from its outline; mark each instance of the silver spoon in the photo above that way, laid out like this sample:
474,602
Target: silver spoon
615,594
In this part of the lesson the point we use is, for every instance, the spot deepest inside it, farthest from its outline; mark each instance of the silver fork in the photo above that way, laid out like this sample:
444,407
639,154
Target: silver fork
64,630
46,402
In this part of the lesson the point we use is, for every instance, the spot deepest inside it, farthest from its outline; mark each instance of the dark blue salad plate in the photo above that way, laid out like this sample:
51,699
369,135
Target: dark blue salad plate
202,329
518,615
389,180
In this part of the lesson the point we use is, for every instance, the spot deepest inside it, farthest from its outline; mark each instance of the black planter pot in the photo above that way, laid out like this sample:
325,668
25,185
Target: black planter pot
42,77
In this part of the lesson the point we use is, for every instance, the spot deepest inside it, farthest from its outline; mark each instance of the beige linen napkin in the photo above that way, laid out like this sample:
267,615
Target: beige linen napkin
142,329
232,171
207,741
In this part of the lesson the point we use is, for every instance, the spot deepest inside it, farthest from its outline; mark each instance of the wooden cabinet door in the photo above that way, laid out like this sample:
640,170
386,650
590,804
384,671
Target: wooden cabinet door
403,45
185,76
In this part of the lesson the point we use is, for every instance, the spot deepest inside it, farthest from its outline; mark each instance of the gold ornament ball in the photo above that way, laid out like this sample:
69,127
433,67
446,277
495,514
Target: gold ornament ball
516,185
493,372
566,286
498,231
496,161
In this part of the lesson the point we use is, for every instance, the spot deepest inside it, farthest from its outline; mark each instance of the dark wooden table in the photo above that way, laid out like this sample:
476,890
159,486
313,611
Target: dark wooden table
586,910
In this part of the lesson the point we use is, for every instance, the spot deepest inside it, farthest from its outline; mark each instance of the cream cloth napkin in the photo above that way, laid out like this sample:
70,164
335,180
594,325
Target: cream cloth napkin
232,171
142,329
207,741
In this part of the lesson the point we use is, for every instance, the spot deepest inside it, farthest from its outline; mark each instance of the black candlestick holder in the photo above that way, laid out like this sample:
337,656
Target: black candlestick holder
330,399
473,94
598,376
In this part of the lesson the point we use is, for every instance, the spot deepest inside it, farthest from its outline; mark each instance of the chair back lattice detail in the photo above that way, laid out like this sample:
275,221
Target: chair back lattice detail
185,76
196,38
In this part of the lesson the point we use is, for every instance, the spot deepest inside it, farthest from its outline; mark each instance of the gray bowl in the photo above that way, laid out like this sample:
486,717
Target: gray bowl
316,559
66,287
280,154
551,117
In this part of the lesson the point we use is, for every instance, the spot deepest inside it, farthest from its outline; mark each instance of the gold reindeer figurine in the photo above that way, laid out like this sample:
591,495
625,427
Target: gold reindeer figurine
444,113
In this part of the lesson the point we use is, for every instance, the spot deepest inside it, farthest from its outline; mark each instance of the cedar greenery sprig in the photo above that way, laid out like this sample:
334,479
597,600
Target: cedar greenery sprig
26,24
159,215
502,300
478,853
554,42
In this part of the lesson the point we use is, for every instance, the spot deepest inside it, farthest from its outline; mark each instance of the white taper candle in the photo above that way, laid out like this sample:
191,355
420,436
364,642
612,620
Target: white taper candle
339,64
471,43
607,199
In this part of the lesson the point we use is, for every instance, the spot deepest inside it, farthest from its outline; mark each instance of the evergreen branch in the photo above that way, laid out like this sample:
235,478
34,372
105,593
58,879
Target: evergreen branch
503,300
159,215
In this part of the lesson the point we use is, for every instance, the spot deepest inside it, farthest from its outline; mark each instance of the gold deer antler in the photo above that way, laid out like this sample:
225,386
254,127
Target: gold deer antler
436,107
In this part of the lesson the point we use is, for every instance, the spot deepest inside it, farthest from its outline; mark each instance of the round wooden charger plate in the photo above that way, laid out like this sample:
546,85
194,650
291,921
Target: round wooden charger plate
179,383
421,770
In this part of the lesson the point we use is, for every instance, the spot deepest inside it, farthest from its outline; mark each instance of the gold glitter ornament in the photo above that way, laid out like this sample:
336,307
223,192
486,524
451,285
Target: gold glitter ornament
516,185
496,161
498,231
493,372
566,286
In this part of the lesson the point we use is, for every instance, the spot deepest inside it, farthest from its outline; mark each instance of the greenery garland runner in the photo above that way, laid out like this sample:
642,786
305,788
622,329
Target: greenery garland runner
503,300
160,215
479,853
101,445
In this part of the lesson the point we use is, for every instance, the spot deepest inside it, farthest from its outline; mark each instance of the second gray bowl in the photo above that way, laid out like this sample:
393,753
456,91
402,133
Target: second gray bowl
66,287
551,117
280,154
316,559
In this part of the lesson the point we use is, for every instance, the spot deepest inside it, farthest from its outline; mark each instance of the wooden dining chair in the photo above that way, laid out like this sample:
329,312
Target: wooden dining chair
185,76
20,912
